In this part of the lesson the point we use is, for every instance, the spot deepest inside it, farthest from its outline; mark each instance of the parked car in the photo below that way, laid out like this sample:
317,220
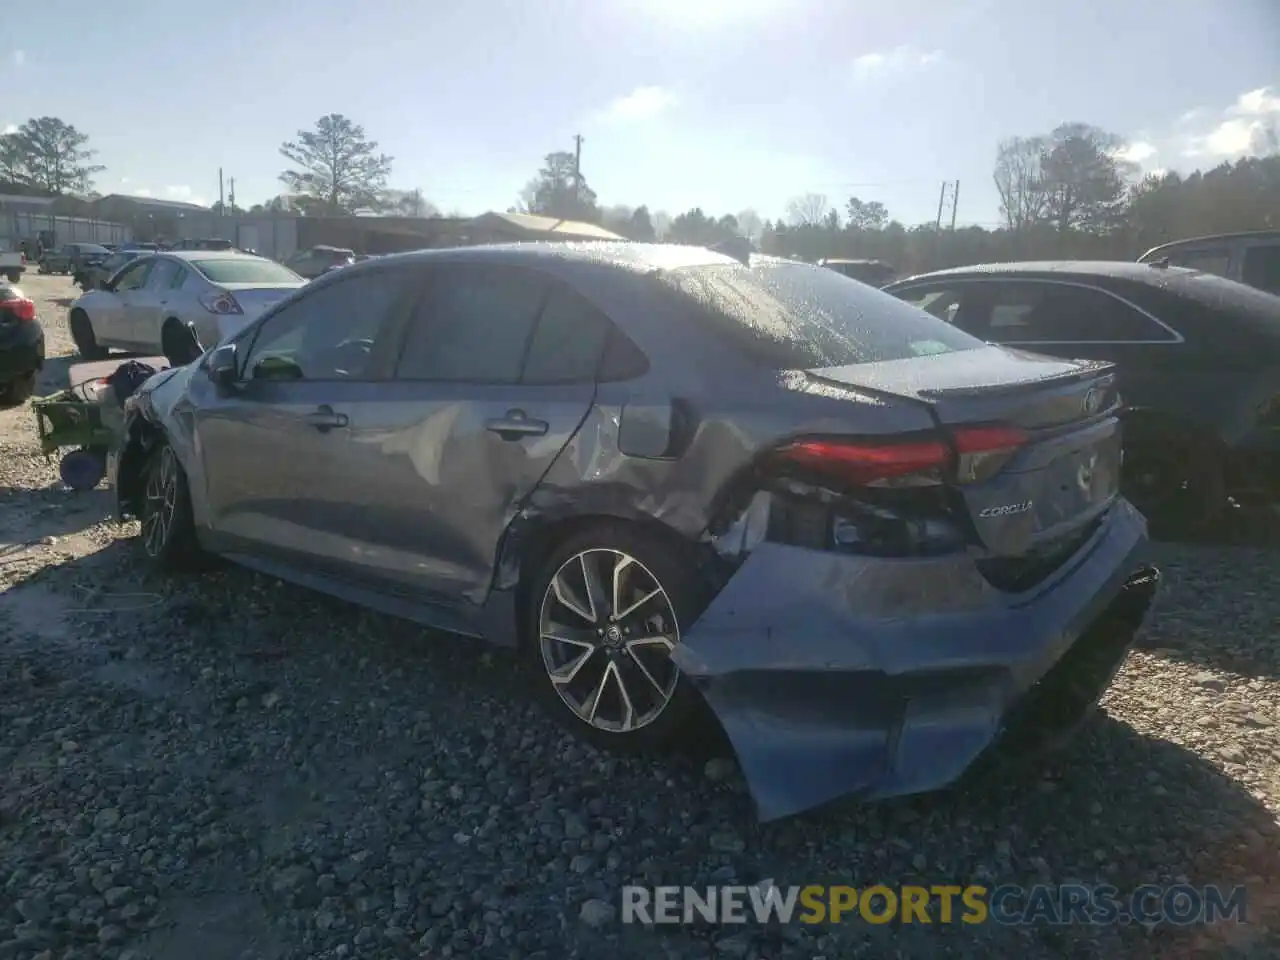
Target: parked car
177,304
1197,356
666,476
99,273
316,261
21,345
1251,258
874,272
73,257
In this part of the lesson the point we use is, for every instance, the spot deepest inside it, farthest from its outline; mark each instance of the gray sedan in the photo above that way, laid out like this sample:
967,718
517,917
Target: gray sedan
872,544
178,304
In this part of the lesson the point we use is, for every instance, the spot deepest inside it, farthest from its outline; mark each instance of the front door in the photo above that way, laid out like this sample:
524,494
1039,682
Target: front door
496,376
113,320
147,306
276,449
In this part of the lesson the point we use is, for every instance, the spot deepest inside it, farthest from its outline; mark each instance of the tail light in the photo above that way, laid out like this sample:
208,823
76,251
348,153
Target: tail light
24,259
977,452
24,309
223,304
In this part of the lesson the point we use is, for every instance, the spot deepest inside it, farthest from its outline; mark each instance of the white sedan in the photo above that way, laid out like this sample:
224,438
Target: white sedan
178,303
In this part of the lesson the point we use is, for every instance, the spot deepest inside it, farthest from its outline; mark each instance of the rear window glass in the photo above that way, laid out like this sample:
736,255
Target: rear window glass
794,316
245,270
1256,308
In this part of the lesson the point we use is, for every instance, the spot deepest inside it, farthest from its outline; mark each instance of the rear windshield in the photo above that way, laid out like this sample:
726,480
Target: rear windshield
793,316
245,270
92,248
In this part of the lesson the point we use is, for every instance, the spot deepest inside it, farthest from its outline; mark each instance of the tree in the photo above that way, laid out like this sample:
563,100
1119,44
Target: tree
407,203
749,225
866,214
1082,178
557,192
809,209
640,227
341,169
50,154
12,168
1020,182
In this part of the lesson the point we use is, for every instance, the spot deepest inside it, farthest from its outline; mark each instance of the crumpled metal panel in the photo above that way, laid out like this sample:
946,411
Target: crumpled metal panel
838,675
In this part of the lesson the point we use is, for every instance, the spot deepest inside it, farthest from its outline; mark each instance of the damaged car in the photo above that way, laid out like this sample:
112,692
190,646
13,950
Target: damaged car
873,545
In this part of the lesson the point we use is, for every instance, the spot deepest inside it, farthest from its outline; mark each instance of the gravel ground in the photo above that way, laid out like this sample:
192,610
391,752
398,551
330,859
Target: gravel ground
229,767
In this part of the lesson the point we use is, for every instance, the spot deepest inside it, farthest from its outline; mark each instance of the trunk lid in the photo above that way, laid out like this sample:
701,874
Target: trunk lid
254,298
1055,484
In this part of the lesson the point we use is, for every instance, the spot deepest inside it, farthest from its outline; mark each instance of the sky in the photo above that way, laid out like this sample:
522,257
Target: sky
722,104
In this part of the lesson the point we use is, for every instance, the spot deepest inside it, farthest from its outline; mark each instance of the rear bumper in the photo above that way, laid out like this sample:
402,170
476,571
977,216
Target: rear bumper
837,675
21,350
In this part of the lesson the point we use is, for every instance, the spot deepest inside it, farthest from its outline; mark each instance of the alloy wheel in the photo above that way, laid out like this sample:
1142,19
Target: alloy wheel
161,503
606,632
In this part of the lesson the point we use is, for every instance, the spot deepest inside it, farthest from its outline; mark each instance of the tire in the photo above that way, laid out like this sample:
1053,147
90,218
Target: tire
85,341
1178,484
17,392
179,344
168,528
14,276
662,699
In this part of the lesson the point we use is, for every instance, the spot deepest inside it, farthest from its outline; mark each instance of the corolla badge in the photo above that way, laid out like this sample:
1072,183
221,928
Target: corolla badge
1005,510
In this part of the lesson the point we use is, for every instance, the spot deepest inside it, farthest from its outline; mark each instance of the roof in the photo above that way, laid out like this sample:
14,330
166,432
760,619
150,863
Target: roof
150,202
531,223
210,255
1116,269
16,198
1212,238
622,254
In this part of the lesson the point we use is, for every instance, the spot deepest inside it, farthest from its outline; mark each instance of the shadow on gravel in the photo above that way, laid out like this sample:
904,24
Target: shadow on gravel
29,517
1116,808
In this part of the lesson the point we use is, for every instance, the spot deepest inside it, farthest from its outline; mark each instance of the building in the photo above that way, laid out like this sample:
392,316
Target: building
281,235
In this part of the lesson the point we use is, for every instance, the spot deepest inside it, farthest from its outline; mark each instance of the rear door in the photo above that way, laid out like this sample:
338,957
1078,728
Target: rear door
1261,266
496,375
276,451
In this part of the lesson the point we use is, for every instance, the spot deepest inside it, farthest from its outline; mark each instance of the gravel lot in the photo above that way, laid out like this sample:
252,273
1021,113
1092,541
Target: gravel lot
228,767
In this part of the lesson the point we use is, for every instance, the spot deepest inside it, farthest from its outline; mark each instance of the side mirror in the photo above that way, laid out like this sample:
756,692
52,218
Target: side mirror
223,366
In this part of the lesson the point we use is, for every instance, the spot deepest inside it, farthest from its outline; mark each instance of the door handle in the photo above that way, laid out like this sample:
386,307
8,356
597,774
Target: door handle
516,424
325,419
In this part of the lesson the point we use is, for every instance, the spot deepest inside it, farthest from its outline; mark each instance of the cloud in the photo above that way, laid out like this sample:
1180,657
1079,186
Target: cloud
1139,152
142,192
1249,126
180,192
9,128
642,103
19,57
895,62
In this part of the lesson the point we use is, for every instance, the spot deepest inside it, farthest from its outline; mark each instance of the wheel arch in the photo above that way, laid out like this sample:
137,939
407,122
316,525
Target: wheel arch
529,541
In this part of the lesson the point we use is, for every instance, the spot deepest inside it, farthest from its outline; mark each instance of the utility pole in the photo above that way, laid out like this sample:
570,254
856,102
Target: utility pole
221,198
577,162
942,198
955,203
231,197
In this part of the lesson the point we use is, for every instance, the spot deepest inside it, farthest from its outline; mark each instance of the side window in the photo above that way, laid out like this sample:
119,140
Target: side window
1262,268
1060,313
1209,259
179,278
327,334
134,277
162,275
622,360
942,303
472,325
567,342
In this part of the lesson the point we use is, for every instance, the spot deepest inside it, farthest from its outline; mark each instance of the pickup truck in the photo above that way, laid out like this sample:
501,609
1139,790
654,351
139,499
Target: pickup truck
12,265
73,258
